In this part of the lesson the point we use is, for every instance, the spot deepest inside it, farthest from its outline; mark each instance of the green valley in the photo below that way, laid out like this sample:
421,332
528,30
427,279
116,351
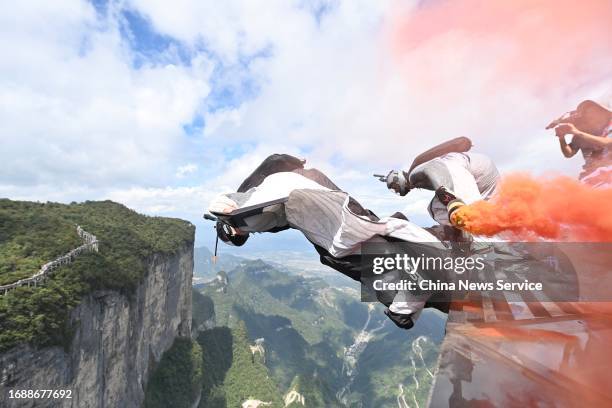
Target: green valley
308,343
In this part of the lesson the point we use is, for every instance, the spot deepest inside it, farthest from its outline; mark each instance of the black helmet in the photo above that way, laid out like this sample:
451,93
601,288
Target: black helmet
225,234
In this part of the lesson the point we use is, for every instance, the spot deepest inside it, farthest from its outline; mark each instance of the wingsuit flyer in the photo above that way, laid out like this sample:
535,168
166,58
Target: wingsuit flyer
305,203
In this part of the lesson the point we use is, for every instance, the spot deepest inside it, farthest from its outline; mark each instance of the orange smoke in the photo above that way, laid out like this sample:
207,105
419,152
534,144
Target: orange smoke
534,41
528,208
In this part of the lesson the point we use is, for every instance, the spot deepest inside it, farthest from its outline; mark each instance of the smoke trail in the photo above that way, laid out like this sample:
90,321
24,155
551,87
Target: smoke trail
528,208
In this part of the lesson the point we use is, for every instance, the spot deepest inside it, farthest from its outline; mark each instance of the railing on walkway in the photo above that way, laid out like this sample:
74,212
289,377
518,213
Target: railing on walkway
90,243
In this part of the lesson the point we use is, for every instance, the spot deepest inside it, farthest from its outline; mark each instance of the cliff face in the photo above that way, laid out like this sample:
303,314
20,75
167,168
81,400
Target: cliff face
117,341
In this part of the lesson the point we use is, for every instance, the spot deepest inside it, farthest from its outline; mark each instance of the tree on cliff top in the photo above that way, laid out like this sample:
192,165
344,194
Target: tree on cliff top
35,233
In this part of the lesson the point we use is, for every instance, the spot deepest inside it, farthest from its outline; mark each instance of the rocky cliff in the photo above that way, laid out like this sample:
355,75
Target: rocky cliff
117,341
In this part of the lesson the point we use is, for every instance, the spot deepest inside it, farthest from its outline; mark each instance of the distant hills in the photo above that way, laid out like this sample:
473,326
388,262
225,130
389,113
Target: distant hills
204,268
304,262
323,347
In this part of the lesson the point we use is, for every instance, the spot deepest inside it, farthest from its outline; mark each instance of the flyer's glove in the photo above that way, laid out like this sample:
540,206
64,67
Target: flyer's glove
402,321
452,204
222,204
445,196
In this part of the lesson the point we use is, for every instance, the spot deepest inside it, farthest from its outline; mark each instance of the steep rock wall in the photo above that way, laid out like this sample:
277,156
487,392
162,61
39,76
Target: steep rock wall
117,341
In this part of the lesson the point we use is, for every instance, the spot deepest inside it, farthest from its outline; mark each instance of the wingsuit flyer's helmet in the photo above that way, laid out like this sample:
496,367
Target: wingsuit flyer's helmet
227,235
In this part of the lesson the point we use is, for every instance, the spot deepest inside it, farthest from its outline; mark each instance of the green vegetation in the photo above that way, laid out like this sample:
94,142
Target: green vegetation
386,363
230,373
217,349
301,321
247,377
306,326
203,309
258,288
32,234
177,380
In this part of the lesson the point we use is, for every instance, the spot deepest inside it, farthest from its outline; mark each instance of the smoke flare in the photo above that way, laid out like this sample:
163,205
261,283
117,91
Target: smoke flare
529,208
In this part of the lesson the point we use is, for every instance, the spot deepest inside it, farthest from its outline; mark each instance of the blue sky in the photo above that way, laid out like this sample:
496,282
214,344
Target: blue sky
161,108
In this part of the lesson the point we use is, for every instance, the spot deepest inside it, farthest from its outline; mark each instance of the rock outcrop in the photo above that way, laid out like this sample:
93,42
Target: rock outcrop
117,341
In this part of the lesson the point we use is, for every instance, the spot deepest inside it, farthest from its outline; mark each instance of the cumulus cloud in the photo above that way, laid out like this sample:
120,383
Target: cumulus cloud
74,109
355,86
167,201
378,82
189,168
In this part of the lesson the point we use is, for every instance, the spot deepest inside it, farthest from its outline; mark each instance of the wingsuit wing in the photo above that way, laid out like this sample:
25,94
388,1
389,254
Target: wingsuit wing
327,219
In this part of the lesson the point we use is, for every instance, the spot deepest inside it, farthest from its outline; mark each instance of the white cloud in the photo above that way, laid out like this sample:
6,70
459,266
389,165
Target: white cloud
342,88
189,168
339,90
167,201
78,120
73,109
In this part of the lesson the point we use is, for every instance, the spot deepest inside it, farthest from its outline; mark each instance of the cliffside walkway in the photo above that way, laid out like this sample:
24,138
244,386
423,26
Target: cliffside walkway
90,243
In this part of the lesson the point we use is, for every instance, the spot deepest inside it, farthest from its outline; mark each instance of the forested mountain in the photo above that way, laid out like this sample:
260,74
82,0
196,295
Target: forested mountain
319,345
260,334
235,373
91,296
32,234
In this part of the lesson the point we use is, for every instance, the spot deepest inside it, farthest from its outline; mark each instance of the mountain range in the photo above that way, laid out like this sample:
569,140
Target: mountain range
316,343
